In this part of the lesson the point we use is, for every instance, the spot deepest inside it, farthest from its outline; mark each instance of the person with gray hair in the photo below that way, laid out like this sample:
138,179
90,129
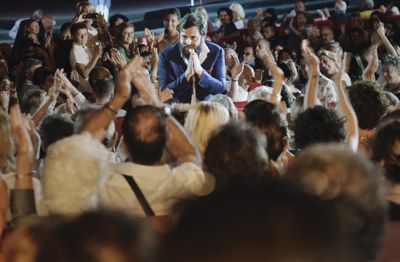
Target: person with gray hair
391,74
355,187
227,102
73,174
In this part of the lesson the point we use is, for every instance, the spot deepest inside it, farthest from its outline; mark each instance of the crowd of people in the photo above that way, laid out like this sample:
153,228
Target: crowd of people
265,138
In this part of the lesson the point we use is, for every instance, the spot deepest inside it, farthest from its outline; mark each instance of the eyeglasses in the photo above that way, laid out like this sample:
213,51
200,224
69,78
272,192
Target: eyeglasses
247,54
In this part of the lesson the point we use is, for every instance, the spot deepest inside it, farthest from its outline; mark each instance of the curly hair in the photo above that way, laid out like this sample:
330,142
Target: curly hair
355,187
191,20
236,154
392,60
318,125
369,102
265,116
386,147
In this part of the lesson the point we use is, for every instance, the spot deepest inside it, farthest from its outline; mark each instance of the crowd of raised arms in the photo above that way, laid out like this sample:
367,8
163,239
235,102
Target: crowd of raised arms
266,138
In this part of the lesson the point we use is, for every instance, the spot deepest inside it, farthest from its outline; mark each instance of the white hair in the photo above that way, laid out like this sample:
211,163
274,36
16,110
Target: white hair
341,5
262,92
238,8
368,4
74,170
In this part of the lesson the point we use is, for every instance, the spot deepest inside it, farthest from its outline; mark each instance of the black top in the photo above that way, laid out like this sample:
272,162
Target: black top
228,29
394,210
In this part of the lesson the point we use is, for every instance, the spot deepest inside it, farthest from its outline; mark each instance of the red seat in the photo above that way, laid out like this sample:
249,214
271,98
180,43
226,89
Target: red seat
240,105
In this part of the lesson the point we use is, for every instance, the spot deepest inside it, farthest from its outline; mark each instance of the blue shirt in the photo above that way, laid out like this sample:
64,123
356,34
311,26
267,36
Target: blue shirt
172,67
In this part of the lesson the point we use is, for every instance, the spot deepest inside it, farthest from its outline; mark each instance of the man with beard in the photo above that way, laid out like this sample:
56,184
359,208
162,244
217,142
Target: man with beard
192,66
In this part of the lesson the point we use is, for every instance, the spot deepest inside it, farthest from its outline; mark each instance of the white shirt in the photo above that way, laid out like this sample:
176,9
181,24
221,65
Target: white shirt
240,23
80,55
241,92
161,186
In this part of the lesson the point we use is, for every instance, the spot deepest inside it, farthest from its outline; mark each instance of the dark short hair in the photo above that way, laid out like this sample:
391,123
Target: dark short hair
32,100
227,10
80,238
256,224
77,26
173,11
145,134
191,20
103,87
318,125
41,74
29,63
369,102
236,154
115,17
265,116
54,128
65,26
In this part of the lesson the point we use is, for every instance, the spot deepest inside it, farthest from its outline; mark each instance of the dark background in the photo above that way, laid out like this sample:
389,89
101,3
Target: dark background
16,8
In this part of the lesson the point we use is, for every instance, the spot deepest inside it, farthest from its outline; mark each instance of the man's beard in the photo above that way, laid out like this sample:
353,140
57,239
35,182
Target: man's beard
185,50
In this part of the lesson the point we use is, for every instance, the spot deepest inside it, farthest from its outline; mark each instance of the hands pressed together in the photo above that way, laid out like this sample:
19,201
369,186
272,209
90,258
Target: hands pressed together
194,66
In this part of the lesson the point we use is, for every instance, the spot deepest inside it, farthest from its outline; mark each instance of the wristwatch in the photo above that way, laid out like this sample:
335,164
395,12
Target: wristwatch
167,110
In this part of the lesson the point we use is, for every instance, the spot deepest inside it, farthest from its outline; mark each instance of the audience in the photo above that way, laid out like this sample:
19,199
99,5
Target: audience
246,142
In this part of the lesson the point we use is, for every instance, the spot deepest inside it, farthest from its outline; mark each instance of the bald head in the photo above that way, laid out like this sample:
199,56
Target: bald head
145,134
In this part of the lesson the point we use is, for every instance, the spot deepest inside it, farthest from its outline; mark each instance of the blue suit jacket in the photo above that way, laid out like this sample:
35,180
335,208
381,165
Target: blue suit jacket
171,72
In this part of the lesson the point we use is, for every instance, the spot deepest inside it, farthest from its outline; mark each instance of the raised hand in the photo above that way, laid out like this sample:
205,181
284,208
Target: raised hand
237,70
150,37
101,21
24,148
98,50
311,59
154,59
117,60
373,63
338,78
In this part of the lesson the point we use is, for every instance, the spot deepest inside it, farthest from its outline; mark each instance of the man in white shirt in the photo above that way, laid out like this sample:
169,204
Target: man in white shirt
146,130
82,59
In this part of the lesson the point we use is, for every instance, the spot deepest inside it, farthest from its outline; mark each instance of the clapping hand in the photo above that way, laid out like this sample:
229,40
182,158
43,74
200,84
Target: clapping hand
237,70
116,59
24,148
311,59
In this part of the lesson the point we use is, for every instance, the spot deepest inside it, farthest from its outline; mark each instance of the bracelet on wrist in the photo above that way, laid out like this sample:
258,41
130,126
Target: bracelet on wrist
235,80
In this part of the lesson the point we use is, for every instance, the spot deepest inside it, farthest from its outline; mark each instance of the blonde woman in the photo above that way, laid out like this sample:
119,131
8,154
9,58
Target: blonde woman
202,120
238,15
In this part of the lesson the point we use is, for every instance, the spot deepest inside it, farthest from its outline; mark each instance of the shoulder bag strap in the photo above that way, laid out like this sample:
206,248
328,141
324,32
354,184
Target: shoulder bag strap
139,195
